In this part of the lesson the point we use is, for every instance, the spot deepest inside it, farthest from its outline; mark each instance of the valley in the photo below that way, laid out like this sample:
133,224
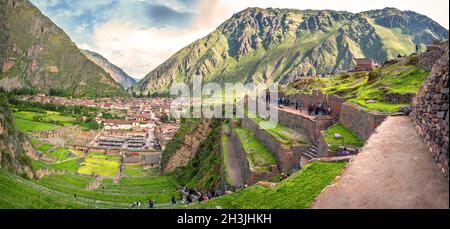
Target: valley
361,112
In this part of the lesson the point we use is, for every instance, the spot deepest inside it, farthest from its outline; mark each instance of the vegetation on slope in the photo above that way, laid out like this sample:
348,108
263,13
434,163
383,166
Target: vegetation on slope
259,157
299,191
271,45
348,138
203,171
43,58
367,88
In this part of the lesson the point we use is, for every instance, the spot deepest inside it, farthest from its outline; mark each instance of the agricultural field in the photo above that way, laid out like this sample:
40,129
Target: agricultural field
139,171
297,192
259,156
100,164
28,121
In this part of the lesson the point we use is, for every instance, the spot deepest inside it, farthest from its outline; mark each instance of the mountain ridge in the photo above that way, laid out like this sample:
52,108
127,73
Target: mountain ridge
116,73
270,45
37,55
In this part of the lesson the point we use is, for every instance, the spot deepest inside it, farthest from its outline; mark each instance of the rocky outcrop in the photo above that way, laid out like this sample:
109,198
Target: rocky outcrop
270,45
188,148
430,111
13,144
37,55
116,73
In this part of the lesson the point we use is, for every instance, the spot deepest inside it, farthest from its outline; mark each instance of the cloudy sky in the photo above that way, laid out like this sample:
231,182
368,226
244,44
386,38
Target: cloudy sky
138,35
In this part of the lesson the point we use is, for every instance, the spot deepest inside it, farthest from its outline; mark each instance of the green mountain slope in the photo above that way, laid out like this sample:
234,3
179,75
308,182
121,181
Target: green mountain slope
13,144
269,45
36,54
117,74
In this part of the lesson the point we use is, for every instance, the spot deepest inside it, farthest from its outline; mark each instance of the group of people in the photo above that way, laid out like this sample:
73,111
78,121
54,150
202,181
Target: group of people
313,109
192,195
320,109
138,204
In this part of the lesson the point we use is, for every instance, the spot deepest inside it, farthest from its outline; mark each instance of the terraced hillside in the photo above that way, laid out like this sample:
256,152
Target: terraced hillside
368,89
38,56
270,45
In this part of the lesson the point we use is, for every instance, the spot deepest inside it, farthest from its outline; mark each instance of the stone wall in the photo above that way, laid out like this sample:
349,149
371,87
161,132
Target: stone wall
286,156
359,120
396,98
430,111
250,176
428,59
318,97
312,126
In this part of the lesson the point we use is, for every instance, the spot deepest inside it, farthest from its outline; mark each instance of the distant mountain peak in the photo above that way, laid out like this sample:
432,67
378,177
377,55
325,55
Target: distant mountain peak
116,73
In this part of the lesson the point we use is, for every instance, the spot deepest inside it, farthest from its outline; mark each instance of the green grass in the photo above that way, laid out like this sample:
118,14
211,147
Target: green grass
139,171
282,133
259,156
44,147
348,137
224,141
99,166
61,154
70,165
359,87
297,192
28,126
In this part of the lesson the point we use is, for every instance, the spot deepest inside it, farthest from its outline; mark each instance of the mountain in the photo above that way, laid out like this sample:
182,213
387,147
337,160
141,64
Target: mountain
270,45
117,73
13,144
37,55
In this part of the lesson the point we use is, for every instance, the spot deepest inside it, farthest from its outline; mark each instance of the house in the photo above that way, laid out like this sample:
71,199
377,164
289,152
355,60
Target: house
131,160
152,161
365,64
117,124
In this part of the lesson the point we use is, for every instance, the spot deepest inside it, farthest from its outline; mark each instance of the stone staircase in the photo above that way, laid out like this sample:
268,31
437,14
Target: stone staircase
311,152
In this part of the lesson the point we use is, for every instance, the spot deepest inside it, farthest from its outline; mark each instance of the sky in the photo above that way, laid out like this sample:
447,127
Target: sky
138,35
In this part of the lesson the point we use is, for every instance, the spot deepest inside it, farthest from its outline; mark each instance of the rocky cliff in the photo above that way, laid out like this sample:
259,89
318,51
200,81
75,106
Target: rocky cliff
13,144
116,73
430,111
269,45
37,55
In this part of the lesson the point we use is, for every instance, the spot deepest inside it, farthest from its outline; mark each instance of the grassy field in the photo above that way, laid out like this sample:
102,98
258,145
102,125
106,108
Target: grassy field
44,147
139,171
259,156
99,164
349,138
297,192
61,154
70,165
28,126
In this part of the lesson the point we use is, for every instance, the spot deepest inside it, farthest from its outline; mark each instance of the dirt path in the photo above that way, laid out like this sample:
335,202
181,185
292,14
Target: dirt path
394,170
234,166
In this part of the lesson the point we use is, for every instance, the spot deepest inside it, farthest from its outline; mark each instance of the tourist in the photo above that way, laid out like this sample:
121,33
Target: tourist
345,152
329,110
151,203
189,199
139,204
174,200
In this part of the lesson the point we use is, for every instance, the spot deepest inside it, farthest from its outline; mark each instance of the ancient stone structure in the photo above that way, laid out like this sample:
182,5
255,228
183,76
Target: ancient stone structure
359,120
318,97
396,98
312,126
430,111
428,59
286,156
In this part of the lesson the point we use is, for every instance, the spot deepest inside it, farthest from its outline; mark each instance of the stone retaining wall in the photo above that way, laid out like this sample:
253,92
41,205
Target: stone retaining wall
359,120
286,156
312,126
318,97
428,59
396,98
430,112
250,176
